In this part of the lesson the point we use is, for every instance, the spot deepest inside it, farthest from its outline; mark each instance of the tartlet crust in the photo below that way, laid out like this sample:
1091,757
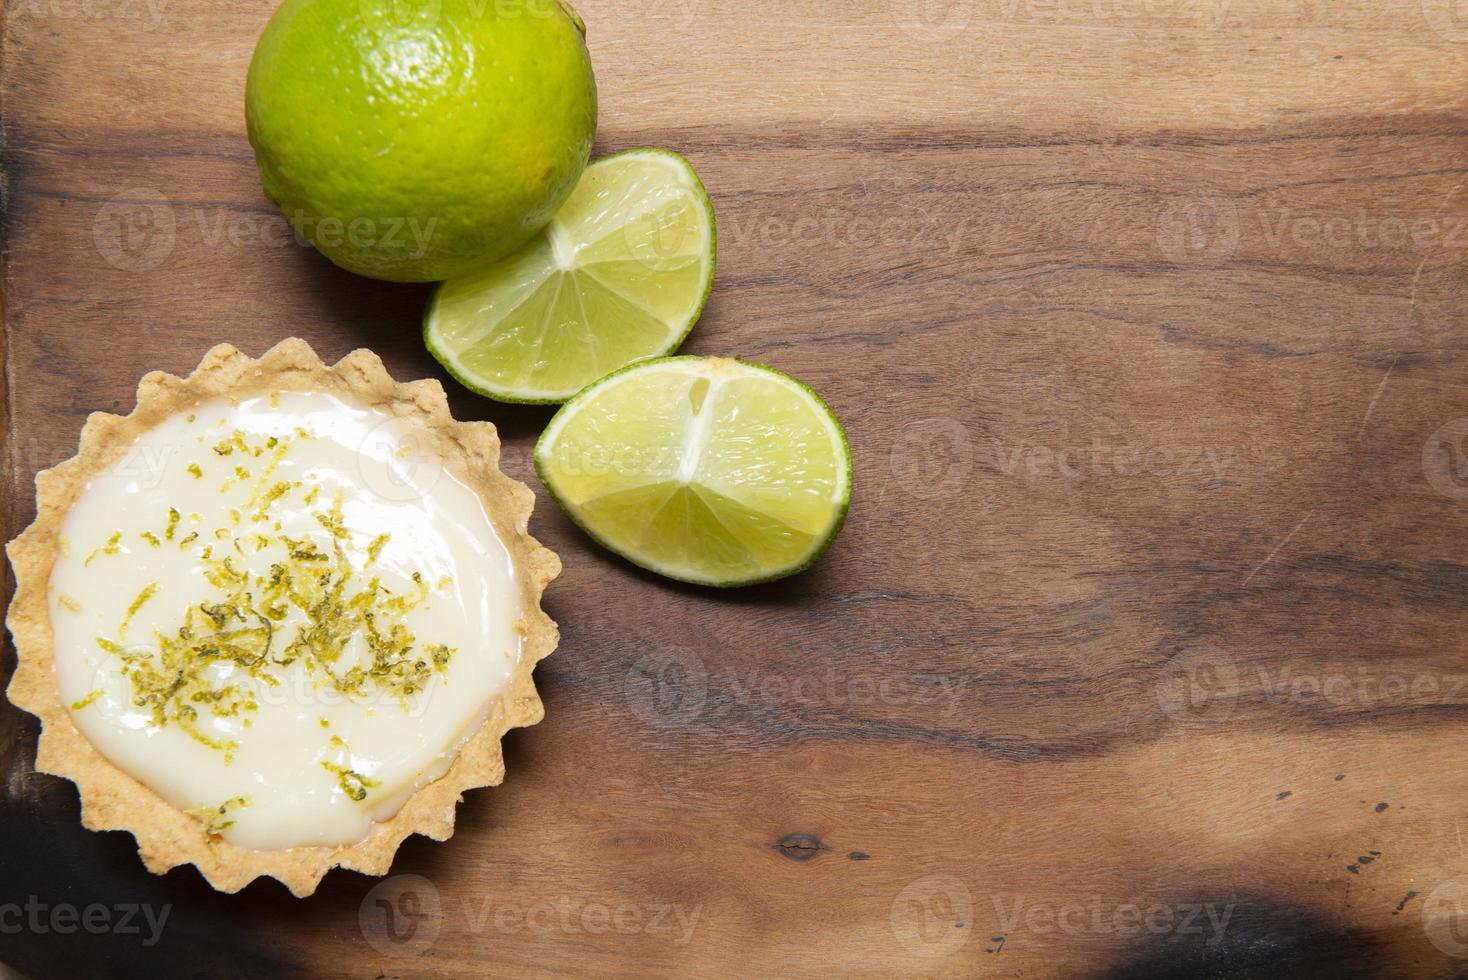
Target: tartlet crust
113,800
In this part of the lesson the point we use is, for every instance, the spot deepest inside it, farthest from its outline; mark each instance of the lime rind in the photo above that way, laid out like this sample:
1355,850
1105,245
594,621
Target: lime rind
383,132
612,278
820,539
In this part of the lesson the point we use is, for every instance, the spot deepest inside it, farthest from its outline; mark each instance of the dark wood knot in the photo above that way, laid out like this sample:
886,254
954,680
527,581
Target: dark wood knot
800,847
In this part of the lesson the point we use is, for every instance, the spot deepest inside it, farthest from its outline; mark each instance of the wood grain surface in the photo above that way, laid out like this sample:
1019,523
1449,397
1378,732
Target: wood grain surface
1142,653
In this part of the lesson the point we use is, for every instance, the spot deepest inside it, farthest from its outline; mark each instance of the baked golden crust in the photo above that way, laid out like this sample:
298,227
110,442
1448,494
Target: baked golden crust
112,799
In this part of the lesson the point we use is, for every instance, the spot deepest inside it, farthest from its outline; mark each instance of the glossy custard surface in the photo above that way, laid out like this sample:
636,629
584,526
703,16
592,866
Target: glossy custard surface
282,616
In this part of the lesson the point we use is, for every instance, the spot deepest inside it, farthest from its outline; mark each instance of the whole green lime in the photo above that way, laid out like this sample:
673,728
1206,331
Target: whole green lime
418,140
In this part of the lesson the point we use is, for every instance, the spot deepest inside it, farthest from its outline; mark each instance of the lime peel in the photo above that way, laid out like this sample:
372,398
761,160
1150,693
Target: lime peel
416,142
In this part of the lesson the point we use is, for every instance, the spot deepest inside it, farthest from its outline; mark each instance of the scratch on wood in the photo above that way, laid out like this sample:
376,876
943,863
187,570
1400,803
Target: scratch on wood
1417,275
1379,389
1412,299
1270,557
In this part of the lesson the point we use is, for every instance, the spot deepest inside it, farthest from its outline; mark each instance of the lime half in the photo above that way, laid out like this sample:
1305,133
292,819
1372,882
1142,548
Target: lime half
620,274
703,469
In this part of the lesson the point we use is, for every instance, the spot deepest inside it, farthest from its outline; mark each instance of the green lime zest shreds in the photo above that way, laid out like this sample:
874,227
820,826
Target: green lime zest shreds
149,591
374,550
304,612
83,702
213,817
110,548
354,784
440,655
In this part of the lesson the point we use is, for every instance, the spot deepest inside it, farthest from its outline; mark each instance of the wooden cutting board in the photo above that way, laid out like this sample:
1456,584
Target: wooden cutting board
1143,649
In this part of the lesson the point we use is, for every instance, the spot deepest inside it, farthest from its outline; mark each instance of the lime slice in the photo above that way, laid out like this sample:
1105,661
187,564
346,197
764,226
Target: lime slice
703,469
619,275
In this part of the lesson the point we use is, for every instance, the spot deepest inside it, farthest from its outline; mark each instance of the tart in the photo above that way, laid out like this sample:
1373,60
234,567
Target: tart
279,617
